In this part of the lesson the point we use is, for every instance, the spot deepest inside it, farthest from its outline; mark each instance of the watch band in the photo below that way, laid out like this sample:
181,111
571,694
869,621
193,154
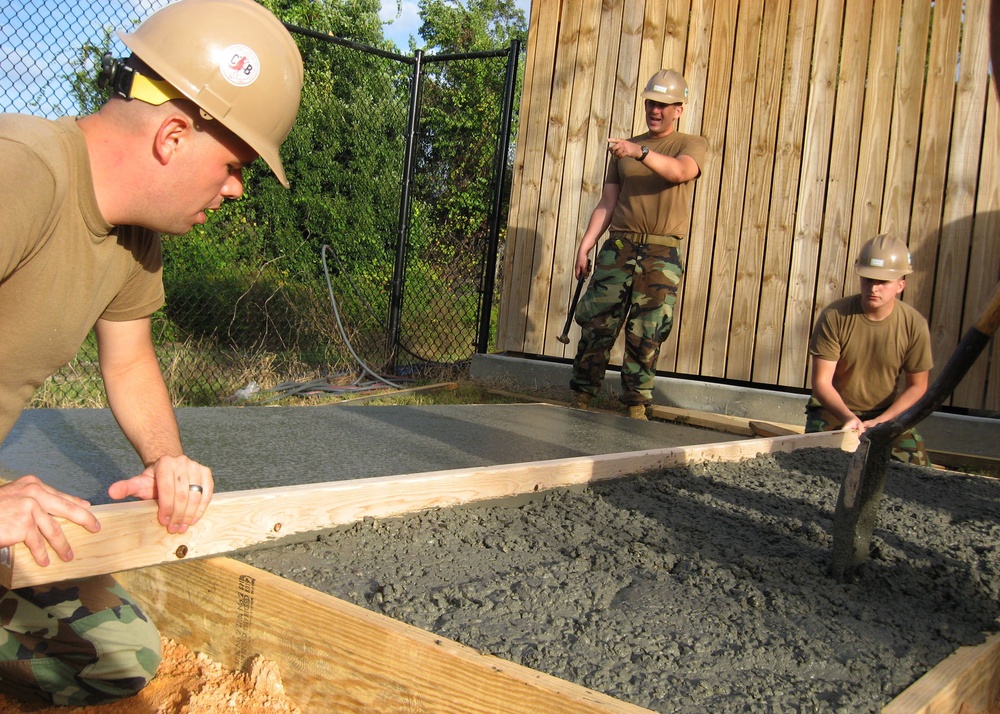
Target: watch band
645,153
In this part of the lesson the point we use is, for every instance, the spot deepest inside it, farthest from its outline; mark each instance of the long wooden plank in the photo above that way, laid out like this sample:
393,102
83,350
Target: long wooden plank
130,536
851,82
705,114
933,158
527,175
784,190
905,132
951,281
803,279
745,25
967,681
727,423
568,226
866,219
548,264
753,228
334,656
984,268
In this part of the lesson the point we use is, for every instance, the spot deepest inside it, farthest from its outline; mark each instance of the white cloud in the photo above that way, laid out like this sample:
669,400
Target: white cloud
399,23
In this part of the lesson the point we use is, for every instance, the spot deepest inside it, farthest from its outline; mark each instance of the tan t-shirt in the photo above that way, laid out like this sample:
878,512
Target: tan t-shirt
62,265
648,203
870,355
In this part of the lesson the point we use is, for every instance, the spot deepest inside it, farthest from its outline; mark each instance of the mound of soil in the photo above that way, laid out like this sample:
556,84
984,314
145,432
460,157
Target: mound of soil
189,683
702,588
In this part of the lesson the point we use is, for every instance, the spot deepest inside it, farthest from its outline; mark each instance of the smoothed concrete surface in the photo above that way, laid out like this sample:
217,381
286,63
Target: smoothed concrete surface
82,451
978,436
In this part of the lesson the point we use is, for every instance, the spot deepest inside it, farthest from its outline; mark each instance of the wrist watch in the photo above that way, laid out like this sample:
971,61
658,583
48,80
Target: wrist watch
645,153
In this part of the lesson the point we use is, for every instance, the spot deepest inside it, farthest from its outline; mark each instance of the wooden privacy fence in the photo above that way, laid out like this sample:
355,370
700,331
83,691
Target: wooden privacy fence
828,122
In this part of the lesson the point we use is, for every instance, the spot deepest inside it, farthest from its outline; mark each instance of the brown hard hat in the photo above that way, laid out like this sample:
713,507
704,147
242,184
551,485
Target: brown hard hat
884,257
666,87
234,60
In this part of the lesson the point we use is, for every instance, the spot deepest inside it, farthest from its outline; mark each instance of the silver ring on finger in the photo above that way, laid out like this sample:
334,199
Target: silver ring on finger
196,488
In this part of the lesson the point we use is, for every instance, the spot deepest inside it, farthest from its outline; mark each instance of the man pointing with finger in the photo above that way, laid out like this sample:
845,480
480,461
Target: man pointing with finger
210,86
646,205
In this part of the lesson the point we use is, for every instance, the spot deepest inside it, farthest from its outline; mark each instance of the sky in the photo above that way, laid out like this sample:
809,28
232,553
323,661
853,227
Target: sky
36,48
399,29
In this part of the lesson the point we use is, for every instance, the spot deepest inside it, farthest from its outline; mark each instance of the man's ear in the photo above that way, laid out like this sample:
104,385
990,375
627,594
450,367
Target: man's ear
173,130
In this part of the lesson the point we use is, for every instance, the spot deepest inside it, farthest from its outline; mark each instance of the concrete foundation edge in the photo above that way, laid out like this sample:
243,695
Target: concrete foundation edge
946,432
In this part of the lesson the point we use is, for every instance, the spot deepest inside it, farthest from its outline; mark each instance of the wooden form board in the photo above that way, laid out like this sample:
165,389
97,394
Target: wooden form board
827,122
130,536
967,682
335,656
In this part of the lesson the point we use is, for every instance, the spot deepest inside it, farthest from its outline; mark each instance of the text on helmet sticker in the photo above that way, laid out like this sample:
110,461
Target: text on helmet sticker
239,65
876,262
659,88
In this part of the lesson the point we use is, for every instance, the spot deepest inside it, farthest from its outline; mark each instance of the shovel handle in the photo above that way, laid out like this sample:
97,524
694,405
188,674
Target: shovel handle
989,318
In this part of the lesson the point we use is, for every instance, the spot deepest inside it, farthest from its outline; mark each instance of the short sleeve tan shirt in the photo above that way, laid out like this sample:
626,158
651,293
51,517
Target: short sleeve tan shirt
871,356
62,266
648,203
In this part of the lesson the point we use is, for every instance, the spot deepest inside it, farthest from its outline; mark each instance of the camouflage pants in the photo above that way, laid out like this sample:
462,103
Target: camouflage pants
908,447
77,642
634,285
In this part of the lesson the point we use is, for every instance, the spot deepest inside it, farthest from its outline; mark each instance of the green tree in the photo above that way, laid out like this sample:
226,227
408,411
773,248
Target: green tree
461,105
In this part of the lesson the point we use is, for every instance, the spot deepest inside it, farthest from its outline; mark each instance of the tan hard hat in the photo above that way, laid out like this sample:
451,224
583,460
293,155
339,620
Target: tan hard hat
232,58
884,257
666,87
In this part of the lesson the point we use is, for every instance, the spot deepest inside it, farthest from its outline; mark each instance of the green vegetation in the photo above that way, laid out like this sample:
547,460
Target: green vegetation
247,295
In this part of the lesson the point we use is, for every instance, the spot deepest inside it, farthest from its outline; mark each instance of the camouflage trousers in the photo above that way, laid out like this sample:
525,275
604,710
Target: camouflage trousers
77,642
634,285
908,447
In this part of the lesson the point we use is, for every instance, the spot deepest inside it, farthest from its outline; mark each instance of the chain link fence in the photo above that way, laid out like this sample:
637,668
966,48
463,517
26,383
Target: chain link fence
380,260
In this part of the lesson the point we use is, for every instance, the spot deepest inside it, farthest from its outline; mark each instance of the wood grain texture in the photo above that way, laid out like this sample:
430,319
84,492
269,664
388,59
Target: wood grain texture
841,120
335,656
130,536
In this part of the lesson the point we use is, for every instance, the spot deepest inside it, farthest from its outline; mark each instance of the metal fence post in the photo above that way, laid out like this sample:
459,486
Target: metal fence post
403,226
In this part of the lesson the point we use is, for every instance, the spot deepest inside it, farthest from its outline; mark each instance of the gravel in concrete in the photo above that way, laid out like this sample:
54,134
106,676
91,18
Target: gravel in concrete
693,589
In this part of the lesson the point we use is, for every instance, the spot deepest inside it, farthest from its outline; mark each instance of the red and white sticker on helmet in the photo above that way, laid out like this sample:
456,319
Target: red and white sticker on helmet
239,65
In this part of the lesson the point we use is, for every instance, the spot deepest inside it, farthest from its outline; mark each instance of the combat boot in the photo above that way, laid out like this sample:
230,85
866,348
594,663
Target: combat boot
637,411
581,400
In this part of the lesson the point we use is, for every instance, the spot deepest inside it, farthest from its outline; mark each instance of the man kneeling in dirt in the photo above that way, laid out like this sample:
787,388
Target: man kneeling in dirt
863,343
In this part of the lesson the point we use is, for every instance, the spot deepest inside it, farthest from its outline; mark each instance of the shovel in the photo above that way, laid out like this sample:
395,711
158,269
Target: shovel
857,504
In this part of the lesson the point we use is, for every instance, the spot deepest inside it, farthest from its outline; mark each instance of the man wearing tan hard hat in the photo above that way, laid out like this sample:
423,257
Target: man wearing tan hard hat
863,345
645,208
210,86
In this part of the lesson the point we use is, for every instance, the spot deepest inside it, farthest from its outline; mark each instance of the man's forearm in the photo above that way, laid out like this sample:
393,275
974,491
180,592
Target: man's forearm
141,405
831,400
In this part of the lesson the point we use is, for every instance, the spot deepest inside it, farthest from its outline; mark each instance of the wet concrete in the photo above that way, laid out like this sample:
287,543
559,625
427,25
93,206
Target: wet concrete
696,589
82,451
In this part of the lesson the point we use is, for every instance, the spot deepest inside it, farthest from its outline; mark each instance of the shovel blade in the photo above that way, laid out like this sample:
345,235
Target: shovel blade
857,506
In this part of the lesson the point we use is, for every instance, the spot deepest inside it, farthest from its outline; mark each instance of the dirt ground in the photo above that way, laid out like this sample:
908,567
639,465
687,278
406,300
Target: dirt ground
190,683
694,589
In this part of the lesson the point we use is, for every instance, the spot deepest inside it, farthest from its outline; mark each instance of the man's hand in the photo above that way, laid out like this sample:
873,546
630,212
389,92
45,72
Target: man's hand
169,481
855,424
582,263
623,148
28,511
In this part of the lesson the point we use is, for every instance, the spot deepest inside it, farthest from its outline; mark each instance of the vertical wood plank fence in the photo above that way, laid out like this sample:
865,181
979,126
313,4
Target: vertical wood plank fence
827,121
